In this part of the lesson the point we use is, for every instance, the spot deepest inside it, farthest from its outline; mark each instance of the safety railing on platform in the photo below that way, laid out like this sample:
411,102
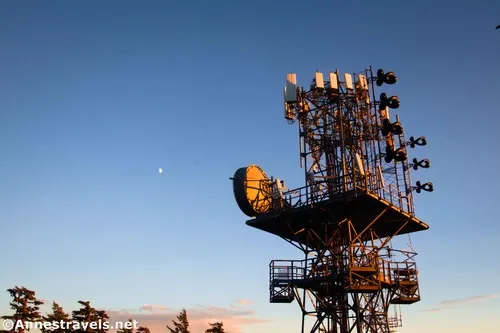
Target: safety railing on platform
309,194
405,281
404,271
286,270
384,268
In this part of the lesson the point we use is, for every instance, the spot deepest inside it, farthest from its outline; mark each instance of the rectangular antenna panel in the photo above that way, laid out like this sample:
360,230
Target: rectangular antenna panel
291,88
318,80
361,168
362,88
363,83
384,113
380,177
289,114
334,81
348,81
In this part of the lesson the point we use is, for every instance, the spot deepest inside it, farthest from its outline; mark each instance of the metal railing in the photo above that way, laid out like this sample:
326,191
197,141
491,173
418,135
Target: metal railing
311,194
286,270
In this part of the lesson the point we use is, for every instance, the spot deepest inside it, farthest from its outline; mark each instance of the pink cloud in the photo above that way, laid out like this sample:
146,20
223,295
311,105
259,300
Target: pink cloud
449,304
199,317
156,317
241,302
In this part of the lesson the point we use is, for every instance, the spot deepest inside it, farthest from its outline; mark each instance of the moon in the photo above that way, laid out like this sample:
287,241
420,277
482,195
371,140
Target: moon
160,170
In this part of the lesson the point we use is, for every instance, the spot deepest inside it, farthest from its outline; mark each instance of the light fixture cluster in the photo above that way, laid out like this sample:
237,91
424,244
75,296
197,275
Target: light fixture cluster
389,129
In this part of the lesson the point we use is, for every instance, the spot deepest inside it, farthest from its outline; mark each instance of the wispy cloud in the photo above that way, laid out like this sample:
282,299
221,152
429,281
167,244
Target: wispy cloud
453,303
435,309
473,299
153,308
241,303
156,317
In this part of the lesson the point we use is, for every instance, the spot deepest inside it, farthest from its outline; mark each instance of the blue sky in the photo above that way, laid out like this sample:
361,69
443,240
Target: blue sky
96,96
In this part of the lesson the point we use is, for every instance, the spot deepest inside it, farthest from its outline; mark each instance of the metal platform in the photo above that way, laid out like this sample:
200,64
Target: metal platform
324,218
358,195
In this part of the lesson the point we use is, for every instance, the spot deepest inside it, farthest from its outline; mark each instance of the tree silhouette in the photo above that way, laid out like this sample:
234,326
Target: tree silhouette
90,319
26,308
143,329
216,327
182,325
57,316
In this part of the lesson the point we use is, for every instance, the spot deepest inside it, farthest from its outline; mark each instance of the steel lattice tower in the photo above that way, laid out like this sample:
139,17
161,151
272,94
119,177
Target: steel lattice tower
357,197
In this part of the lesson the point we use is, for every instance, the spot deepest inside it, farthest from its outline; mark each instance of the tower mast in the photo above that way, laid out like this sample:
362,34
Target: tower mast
357,197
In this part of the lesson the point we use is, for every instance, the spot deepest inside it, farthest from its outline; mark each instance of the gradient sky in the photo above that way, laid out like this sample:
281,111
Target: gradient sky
95,96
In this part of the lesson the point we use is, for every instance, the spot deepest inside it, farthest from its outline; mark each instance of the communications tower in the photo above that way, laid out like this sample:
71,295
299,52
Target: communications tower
357,197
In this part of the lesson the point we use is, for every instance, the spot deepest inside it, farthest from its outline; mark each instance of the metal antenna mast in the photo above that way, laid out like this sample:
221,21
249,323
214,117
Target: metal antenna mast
357,197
